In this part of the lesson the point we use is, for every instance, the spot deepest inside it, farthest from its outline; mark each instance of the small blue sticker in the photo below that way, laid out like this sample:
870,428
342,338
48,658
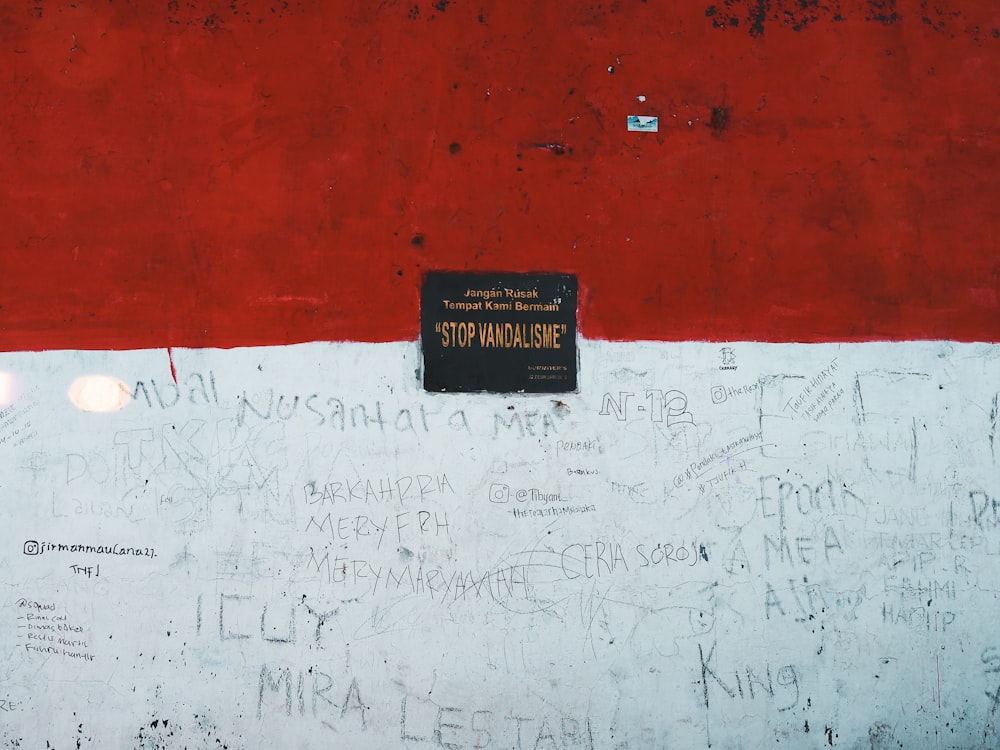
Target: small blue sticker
643,124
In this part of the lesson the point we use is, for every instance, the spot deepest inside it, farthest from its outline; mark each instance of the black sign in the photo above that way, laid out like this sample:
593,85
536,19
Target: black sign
503,333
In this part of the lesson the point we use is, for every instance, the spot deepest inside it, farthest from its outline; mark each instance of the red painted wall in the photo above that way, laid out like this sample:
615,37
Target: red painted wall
214,173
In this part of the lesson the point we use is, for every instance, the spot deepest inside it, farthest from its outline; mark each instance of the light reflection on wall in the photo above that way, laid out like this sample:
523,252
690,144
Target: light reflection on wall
99,393
9,389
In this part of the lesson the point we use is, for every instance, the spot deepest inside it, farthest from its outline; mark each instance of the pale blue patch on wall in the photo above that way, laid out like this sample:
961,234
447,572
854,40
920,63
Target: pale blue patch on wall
643,124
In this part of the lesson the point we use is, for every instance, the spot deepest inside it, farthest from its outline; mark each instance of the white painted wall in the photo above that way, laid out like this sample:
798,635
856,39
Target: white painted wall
803,550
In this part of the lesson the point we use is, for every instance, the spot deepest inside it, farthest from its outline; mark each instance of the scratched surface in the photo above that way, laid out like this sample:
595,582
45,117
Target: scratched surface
237,172
298,547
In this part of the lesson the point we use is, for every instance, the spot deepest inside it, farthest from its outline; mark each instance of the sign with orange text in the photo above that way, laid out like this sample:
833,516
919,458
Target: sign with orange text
503,333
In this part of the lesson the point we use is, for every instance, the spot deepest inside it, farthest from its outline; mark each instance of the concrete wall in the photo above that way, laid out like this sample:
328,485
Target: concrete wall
245,172
799,549
294,545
